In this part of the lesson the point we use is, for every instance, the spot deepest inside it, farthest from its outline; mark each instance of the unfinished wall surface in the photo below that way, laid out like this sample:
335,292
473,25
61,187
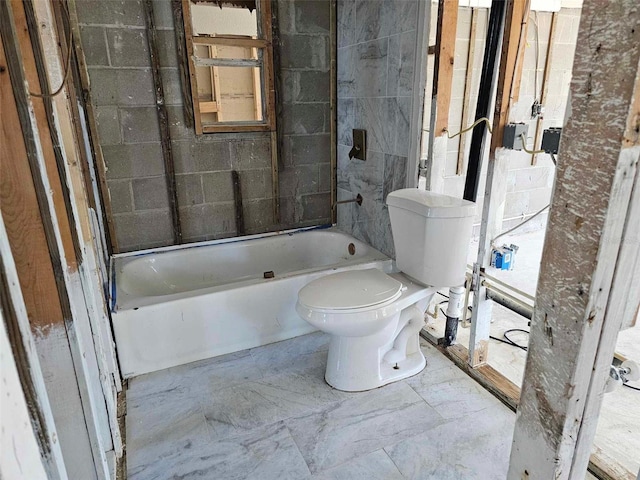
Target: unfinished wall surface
376,52
115,46
528,186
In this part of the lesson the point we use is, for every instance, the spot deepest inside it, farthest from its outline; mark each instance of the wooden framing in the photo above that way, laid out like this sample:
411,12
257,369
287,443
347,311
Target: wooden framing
265,64
443,66
100,165
468,82
163,122
517,80
517,10
574,328
508,393
537,139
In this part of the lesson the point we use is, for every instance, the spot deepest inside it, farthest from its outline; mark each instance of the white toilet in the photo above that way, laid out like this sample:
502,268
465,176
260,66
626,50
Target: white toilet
374,318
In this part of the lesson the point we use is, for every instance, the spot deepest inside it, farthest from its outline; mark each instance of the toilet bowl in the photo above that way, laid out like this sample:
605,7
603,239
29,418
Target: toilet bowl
374,318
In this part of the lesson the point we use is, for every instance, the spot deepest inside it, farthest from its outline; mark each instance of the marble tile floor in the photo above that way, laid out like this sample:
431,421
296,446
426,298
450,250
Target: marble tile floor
266,413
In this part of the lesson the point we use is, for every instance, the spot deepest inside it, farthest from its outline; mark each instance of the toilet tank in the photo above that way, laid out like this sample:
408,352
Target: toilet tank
431,234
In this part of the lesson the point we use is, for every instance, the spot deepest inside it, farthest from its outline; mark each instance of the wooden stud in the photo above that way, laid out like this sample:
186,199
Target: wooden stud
275,184
537,139
237,201
445,56
573,331
522,44
163,121
516,11
468,82
183,63
188,38
100,165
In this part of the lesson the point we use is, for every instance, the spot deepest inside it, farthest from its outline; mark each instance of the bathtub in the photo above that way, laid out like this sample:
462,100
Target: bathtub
176,305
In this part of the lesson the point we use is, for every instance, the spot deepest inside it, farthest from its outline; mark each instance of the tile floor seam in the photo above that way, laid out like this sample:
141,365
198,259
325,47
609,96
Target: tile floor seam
311,474
384,449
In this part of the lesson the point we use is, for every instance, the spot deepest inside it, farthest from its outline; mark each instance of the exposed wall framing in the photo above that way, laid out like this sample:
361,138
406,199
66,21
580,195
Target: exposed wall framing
443,70
163,122
573,330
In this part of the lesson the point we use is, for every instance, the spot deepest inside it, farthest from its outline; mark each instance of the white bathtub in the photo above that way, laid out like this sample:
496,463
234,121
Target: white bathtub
176,305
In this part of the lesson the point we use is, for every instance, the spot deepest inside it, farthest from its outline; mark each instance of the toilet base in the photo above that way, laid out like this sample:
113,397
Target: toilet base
410,366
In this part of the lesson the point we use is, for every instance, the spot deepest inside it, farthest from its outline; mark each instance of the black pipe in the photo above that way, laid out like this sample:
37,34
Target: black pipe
485,94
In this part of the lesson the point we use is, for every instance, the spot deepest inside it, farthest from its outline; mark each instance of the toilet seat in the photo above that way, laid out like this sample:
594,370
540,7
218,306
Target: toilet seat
354,290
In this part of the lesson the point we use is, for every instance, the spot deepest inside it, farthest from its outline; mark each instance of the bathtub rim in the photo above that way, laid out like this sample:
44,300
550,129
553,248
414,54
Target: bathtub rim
175,297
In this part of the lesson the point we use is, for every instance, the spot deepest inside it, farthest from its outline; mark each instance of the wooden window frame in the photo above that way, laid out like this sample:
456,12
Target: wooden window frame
263,9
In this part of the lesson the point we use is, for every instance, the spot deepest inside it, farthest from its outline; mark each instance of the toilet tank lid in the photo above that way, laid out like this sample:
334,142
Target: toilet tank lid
349,290
431,204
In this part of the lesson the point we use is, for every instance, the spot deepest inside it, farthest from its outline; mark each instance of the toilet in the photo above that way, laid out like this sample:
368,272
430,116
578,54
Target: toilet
374,318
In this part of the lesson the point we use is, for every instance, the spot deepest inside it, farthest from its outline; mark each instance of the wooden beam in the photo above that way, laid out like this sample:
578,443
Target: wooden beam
574,330
517,10
183,63
226,62
100,165
189,53
537,139
468,82
496,184
237,200
517,81
163,121
208,107
231,42
443,66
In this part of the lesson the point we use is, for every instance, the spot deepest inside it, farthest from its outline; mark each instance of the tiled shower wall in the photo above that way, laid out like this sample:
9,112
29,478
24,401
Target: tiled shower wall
114,42
376,51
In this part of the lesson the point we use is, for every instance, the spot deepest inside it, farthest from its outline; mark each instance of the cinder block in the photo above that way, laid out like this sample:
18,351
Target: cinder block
218,187
94,45
128,47
307,149
111,12
299,180
192,157
317,207
207,220
163,14
104,86
139,125
258,216
144,229
177,126
167,52
120,195
312,16
150,193
108,123
189,189
255,184
133,161
304,118
313,87
251,153
304,51
135,87
171,84
324,177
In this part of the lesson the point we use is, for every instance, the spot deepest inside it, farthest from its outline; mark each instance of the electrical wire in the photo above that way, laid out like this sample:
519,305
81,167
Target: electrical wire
67,66
508,341
631,387
524,146
480,120
520,224
537,33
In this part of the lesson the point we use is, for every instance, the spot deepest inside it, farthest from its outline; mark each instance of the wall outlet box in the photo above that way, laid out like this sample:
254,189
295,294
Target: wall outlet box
551,140
512,137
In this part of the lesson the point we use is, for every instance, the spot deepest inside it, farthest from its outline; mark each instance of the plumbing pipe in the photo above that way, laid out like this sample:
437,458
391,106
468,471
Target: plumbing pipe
453,313
413,318
485,95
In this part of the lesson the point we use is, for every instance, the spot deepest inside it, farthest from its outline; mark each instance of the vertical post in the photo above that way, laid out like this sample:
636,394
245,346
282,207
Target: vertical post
468,81
496,183
591,222
441,93
163,121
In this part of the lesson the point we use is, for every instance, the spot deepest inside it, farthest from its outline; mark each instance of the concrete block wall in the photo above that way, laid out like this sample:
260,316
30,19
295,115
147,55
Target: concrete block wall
114,41
376,52
305,168
529,187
